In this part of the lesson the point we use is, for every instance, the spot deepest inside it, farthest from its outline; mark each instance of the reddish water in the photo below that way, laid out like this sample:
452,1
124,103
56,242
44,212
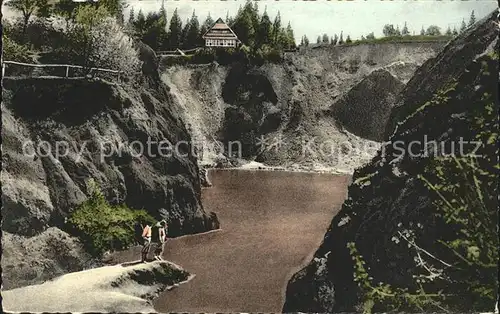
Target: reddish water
271,224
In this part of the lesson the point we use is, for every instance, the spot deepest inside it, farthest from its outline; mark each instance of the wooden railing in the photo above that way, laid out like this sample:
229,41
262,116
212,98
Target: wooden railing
178,52
66,67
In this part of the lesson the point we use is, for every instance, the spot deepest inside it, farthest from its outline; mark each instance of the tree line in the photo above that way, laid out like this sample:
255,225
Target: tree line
390,31
253,29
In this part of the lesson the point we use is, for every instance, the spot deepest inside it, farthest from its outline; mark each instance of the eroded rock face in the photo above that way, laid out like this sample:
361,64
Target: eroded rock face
276,110
386,192
30,260
80,129
365,108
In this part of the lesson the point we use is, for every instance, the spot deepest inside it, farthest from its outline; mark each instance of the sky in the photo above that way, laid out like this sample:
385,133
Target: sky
354,18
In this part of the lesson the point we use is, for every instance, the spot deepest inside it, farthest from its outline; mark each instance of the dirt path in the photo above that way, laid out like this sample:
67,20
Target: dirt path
272,222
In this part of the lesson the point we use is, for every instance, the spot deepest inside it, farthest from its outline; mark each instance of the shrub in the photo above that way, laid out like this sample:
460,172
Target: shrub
204,55
102,226
13,51
97,40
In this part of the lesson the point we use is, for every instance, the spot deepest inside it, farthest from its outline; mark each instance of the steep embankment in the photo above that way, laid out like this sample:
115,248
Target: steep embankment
365,108
286,107
78,121
120,288
386,195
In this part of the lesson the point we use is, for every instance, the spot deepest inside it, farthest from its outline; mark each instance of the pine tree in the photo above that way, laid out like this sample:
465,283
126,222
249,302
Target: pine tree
131,16
348,40
276,29
265,30
254,14
243,27
140,23
318,40
448,32
183,42
422,31
175,31
405,31
335,39
341,39
290,36
370,36
398,32
306,41
302,41
455,32
472,19
209,22
463,26
325,39
193,33
229,20
163,11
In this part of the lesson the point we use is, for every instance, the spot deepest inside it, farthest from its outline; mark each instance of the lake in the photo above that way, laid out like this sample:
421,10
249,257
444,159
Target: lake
271,224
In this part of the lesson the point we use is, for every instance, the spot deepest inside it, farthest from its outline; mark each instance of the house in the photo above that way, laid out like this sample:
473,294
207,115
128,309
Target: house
220,35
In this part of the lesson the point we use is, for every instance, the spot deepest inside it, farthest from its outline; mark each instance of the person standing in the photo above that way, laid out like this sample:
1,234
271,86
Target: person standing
159,237
146,236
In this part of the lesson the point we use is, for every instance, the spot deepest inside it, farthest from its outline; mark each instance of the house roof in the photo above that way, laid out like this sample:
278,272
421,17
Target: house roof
220,30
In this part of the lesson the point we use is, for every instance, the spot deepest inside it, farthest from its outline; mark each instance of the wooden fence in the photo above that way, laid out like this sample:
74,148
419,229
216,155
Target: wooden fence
63,70
178,52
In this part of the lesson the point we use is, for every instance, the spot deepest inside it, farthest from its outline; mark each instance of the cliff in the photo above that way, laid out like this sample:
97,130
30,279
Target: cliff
446,100
281,114
58,133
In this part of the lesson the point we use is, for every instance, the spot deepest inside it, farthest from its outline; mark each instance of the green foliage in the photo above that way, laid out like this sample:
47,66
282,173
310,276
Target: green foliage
383,297
102,226
175,31
152,29
416,38
463,27
205,55
433,30
456,268
405,31
466,200
28,8
66,9
13,51
472,19
113,7
265,31
192,39
389,30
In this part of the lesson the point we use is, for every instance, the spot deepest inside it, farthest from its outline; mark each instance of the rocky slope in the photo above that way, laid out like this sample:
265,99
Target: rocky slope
365,108
386,194
281,112
57,134
120,288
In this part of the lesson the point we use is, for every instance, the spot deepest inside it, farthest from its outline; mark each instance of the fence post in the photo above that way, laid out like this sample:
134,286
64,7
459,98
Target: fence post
67,71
